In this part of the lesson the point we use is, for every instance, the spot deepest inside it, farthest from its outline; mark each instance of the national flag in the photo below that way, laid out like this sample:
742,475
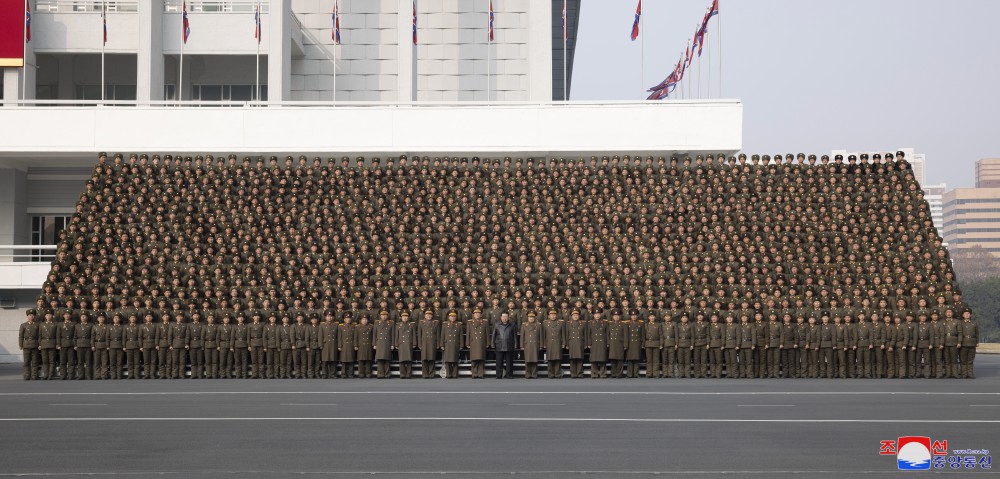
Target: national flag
635,23
491,21
27,21
185,26
414,22
257,31
687,55
565,34
714,10
701,34
104,20
335,35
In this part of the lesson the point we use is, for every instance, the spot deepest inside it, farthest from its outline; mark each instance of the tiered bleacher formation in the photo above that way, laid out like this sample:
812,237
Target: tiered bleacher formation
679,267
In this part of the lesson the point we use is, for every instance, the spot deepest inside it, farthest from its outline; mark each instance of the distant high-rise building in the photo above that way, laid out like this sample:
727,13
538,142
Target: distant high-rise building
988,173
934,194
972,218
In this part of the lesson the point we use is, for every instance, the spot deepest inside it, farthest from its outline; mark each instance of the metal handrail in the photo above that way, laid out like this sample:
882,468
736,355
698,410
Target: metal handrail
30,246
216,6
43,253
91,6
374,104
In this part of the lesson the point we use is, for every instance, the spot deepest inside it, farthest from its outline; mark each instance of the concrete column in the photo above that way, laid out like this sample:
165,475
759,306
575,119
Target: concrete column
12,77
406,79
149,67
539,51
67,86
279,52
13,206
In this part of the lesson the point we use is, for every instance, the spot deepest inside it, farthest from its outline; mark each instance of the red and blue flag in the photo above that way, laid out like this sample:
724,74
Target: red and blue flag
635,23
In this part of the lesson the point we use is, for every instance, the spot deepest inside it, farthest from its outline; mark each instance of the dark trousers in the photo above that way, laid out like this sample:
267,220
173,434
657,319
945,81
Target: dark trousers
66,357
177,359
384,368
257,360
968,356
715,359
226,362
937,357
405,369
505,364
163,361
864,362
299,362
49,362
271,358
427,368
212,363
652,362
285,363
576,367
451,369
684,362
31,357
951,361
700,361
132,362
348,369
530,370
924,361
669,361
116,363
84,363
732,367
478,368
197,362
240,361
788,360
555,366
598,369
148,362
746,362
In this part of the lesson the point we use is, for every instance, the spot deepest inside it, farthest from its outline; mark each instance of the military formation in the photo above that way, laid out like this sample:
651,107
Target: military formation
736,267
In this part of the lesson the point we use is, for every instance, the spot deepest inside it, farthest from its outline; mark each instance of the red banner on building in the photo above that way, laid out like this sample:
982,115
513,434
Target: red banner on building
11,33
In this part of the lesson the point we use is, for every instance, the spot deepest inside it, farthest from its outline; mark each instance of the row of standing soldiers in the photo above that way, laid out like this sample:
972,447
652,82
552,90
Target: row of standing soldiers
733,347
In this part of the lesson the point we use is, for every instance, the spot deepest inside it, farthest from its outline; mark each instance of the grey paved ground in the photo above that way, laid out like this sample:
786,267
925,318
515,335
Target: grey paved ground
484,428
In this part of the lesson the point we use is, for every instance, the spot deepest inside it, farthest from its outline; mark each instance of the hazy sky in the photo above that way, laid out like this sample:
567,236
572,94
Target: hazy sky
821,75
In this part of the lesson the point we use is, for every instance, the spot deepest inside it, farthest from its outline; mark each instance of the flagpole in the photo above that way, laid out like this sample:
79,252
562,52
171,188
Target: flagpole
565,35
708,90
489,43
260,33
642,50
720,47
104,21
24,54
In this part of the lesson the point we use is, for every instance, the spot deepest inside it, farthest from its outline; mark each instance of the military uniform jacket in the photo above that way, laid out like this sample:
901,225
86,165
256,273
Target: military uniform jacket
902,336
101,337
700,334
952,332
300,336
889,336
531,341
715,335
313,337
617,338
271,340
286,337
925,335
147,335
553,336
239,336
364,340
163,335
210,334
451,340
84,335
864,335
132,336
801,331
65,334
813,336
405,339
668,334
225,337
328,332
597,339
839,336
477,337
428,332
47,335
347,341
636,338
116,336
732,335
789,336
178,333
654,336
937,333
970,334
748,334
385,332
774,336
195,339
576,338
685,335
27,335
826,335
255,334
878,334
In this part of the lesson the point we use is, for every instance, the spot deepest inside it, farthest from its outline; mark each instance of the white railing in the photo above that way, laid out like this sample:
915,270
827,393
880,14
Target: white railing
89,6
216,6
353,104
36,253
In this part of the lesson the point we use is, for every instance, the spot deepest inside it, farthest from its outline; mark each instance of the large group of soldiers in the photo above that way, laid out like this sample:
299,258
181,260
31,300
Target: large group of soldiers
744,267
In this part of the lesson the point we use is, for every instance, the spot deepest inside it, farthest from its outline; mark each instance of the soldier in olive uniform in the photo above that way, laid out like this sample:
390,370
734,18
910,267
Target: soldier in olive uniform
133,343
451,344
668,346
827,338
299,345
100,347
255,342
889,340
286,341
937,352
716,338
840,342
312,348
428,335
554,340
385,330
347,347
652,342
730,347
27,340
404,340
700,346
774,349
47,332
925,347
328,332
685,348
226,350
576,343
364,344
531,343
163,346
65,339
952,340
477,340
116,345
865,345
901,347
747,337
970,341
178,335
196,346
636,337
210,336
148,340
617,343
272,347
